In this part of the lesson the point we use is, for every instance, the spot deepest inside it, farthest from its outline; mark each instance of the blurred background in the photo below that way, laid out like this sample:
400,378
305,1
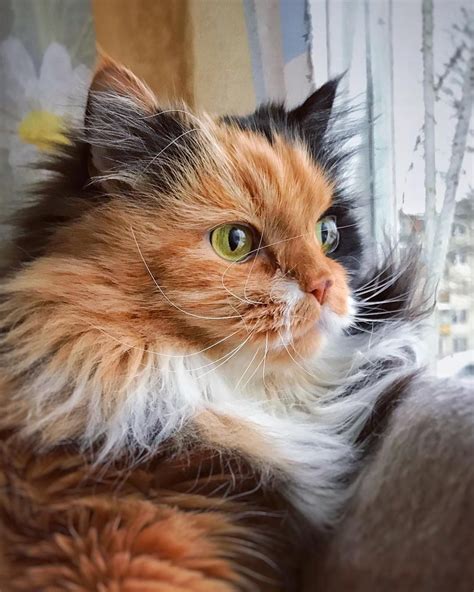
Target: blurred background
410,72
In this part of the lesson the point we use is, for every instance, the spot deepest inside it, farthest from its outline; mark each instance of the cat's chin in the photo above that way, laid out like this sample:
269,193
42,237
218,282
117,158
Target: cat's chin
330,324
307,342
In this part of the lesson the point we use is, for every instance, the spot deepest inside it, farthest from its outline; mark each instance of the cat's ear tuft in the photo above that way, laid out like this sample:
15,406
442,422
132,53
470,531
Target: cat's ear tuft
110,76
316,110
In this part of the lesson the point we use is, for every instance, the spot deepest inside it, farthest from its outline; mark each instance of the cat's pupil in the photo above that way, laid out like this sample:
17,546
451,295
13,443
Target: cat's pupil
324,233
236,238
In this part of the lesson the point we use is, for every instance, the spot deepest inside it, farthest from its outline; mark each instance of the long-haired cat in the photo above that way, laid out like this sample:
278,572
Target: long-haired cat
192,350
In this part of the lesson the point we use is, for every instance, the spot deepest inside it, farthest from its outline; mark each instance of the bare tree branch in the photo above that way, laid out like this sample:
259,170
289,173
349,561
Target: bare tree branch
450,64
445,219
429,125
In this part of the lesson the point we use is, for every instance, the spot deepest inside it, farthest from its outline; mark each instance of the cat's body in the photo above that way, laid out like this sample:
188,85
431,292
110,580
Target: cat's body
408,526
174,417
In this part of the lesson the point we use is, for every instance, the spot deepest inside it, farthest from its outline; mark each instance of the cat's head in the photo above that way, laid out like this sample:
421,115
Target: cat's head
172,229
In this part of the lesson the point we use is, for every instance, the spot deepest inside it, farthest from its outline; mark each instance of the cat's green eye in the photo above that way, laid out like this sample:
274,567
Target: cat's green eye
232,242
327,234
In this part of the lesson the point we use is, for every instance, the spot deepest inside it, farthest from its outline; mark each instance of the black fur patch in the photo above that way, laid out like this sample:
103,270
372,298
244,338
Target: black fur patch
308,123
64,197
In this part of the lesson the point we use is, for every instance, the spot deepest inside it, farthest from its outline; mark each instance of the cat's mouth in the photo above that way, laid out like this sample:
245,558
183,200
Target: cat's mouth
306,325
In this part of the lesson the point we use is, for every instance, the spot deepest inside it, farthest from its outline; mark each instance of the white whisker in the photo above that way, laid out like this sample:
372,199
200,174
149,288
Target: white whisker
264,362
254,372
174,141
246,370
227,356
165,355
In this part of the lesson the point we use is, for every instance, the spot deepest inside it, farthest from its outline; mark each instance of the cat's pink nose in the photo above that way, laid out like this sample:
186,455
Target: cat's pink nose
319,289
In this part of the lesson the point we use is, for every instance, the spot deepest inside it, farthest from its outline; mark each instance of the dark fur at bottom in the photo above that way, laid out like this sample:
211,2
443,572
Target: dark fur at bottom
409,525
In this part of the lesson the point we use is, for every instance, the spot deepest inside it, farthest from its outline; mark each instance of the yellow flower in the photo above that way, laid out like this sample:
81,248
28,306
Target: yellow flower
43,129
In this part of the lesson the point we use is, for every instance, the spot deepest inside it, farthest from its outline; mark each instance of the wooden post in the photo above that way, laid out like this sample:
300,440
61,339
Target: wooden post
151,37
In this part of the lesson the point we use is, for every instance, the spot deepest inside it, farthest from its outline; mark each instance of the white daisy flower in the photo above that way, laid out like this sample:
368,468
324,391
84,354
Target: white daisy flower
36,106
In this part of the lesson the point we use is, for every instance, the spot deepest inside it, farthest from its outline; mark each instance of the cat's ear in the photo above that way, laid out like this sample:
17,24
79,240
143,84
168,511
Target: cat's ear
315,113
131,140
116,101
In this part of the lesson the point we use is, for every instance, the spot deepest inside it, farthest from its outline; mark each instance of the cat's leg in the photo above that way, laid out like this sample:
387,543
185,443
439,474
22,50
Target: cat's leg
410,527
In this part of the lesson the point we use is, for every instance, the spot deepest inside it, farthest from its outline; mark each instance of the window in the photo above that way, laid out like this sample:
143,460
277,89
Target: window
459,229
459,316
445,316
459,344
457,258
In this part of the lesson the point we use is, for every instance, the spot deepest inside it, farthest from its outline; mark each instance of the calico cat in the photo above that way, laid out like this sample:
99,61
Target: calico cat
193,347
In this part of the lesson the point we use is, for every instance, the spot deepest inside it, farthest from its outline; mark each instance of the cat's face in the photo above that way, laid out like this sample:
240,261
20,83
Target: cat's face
218,234
244,254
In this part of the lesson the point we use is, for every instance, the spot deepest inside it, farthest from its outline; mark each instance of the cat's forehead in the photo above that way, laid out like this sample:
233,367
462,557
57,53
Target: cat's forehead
279,177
